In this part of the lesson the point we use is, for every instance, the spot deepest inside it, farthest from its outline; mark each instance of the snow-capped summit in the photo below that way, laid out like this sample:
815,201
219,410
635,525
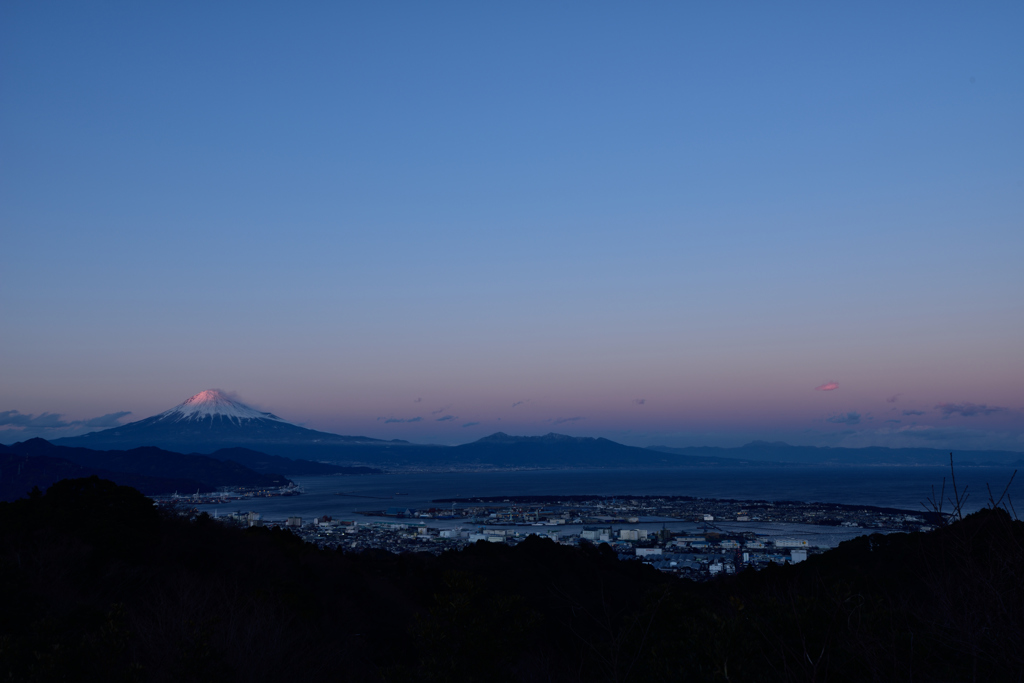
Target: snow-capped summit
214,403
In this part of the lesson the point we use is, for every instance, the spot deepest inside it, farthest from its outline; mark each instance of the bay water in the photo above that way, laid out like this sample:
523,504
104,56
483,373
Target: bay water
345,497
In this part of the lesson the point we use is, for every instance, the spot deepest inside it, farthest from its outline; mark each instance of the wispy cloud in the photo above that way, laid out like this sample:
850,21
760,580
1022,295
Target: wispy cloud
967,409
441,409
907,413
894,421
518,403
567,419
393,420
893,398
53,425
417,400
851,418
446,418
104,421
827,386
639,401
14,418
471,424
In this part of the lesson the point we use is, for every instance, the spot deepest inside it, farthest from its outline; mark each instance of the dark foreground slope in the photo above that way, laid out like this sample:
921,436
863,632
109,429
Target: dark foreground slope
97,585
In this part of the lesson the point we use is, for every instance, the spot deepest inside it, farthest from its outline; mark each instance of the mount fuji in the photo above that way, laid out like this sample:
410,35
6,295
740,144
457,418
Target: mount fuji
212,420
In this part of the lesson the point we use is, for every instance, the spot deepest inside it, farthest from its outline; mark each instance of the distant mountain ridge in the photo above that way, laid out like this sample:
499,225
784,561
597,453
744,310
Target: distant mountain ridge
212,421
780,452
549,450
559,450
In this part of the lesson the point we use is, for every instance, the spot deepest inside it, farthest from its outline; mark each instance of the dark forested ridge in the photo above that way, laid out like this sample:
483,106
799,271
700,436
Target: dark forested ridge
153,471
19,474
99,585
37,462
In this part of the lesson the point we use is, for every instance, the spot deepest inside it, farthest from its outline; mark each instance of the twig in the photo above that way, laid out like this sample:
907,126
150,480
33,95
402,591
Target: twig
936,503
958,506
1005,490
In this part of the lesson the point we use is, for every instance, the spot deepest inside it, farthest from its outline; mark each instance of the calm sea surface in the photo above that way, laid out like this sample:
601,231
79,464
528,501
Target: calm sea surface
899,487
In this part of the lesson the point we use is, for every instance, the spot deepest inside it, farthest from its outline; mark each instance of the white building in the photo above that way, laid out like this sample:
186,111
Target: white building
599,534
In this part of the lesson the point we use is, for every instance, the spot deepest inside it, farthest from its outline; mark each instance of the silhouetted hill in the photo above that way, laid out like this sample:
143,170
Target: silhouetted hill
154,463
768,452
97,585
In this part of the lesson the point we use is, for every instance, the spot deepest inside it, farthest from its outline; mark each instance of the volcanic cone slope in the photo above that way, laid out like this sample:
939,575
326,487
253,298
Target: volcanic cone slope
211,420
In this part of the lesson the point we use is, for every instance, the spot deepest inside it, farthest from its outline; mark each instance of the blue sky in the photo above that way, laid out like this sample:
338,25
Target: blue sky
338,210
